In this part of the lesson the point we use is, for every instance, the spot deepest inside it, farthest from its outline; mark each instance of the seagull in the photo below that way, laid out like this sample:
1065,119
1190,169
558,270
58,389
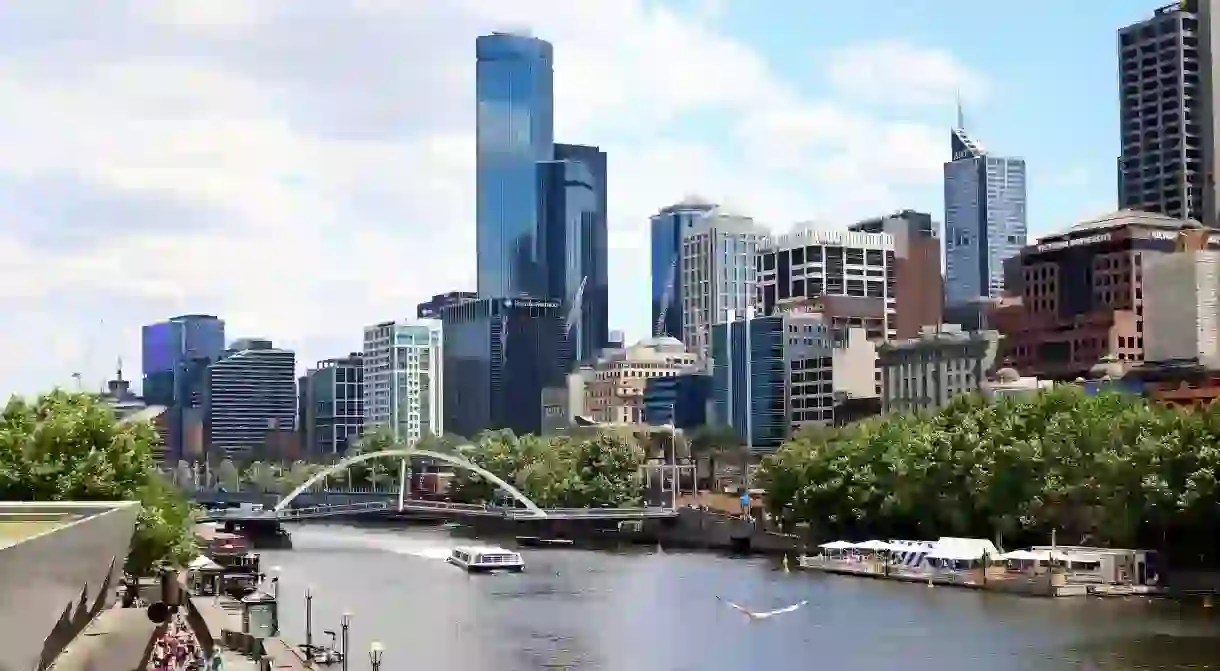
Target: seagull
762,616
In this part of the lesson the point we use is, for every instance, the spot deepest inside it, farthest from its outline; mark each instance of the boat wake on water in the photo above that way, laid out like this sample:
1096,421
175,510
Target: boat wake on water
762,615
342,539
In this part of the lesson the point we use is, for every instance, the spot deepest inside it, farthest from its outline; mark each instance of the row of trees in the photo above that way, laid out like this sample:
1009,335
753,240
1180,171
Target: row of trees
1108,469
586,469
68,447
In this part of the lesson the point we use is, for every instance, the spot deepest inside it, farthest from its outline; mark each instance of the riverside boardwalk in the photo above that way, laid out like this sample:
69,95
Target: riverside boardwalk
118,639
224,613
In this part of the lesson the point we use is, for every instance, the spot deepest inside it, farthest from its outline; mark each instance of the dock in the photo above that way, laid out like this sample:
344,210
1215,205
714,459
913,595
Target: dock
995,579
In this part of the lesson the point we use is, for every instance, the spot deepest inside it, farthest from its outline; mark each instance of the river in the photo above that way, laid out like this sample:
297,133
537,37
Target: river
649,611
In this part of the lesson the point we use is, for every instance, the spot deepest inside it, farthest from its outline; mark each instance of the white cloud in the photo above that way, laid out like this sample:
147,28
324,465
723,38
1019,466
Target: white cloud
304,167
898,73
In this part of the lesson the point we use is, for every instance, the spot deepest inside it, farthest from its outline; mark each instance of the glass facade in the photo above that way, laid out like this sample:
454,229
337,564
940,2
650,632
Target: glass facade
985,220
766,376
514,91
250,397
572,204
664,260
333,395
680,400
174,355
499,356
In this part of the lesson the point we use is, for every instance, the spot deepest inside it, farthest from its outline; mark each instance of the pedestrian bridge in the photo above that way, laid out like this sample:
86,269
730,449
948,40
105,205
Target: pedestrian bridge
291,514
284,511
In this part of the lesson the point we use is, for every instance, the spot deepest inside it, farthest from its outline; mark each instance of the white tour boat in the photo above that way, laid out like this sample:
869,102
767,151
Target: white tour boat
483,559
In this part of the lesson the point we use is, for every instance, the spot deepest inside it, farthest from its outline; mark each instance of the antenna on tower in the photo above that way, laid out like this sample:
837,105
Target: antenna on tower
961,116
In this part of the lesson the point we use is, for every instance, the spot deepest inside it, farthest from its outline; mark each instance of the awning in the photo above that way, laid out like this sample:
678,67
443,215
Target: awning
837,545
875,545
1033,555
203,563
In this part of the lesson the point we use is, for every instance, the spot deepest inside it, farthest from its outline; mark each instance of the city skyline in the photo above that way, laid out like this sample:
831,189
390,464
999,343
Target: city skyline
305,182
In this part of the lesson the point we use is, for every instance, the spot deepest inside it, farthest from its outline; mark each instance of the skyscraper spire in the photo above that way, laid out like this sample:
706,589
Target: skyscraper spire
961,116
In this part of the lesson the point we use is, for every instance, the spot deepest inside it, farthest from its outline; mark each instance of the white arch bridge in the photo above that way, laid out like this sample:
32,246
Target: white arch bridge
284,511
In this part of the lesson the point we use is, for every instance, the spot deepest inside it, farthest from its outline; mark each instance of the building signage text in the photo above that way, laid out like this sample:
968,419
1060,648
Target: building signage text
1075,242
960,154
529,303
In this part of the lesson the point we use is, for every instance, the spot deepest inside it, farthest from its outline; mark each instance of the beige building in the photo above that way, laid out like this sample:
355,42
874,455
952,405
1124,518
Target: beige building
924,373
614,386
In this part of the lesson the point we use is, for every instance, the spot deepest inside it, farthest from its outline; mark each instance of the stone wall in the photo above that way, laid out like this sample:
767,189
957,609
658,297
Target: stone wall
54,583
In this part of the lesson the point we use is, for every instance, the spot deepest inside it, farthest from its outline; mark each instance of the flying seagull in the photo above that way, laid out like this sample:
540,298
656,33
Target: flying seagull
762,616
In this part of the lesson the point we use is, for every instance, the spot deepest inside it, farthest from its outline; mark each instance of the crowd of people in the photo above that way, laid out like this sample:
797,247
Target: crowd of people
176,649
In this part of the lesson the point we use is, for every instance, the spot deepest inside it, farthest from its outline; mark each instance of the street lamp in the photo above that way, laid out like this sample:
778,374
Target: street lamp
345,627
376,650
275,581
309,621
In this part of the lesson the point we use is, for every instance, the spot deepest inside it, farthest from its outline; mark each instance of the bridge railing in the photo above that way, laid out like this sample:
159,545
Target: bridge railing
338,509
444,505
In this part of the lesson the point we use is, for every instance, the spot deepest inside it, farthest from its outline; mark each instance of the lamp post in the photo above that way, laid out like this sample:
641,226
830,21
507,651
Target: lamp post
345,628
309,621
745,467
376,650
673,458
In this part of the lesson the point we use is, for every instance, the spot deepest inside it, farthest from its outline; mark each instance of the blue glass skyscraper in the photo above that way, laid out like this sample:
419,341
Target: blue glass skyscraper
514,91
174,355
984,219
572,207
665,246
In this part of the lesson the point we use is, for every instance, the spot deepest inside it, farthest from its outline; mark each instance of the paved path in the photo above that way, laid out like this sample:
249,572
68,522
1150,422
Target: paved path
115,641
225,613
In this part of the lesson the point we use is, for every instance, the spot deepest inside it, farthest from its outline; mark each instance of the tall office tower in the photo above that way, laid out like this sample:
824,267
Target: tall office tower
404,375
332,396
665,257
174,355
572,206
919,290
716,274
984,225
432,308
848,277
250,399
500,354
514,89
1166,111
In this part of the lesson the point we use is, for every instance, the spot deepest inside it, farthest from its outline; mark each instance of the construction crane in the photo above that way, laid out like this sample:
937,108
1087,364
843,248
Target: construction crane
658,329
574,313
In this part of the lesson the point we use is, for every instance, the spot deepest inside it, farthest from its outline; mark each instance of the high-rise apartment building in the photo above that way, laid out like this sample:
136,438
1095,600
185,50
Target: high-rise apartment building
716,274
514,91
918,287
1083,292
1166,108
851,275
404,374
332,405
985,223
433,307
174,355
572,207
250,398
500,354
665,256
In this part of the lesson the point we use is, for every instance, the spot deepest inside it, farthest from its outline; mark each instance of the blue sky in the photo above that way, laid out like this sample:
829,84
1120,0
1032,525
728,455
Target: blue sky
1053,97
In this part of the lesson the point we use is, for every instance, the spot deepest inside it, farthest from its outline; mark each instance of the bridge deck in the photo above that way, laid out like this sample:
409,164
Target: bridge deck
411,505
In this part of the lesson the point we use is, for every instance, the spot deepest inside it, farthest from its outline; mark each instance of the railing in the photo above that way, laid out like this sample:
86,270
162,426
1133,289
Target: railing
325,511
444,505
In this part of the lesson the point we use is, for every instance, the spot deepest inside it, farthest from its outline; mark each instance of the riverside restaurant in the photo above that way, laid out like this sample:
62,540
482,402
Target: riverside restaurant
977,563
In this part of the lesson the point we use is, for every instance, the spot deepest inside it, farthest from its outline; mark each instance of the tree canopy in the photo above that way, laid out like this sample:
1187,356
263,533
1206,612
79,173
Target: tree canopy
69,447
559,471
1108,469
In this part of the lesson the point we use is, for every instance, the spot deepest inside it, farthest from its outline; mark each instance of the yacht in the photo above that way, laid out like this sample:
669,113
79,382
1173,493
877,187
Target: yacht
476,559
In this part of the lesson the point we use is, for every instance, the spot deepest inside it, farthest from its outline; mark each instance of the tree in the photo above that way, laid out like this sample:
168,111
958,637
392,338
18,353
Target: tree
1108,469
69,447
711,443
228,476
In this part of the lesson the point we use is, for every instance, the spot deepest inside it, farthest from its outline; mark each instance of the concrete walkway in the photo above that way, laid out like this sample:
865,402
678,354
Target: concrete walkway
225,613
115,641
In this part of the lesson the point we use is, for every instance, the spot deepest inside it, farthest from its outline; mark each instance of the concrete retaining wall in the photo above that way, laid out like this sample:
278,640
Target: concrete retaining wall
54,583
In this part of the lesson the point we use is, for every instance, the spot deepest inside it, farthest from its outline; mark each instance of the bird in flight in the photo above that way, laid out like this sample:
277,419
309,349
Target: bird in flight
753,615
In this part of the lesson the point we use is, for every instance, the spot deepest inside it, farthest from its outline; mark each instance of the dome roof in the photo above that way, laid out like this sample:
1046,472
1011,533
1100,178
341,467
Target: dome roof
1007,375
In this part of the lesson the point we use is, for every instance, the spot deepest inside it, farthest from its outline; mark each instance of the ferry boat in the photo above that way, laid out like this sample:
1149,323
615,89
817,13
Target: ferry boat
485,559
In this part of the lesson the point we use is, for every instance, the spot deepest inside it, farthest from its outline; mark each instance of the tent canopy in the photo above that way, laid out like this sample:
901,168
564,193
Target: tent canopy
963,549
837,545
875,545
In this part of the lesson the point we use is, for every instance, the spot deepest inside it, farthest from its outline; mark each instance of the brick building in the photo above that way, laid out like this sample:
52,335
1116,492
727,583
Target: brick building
1082,291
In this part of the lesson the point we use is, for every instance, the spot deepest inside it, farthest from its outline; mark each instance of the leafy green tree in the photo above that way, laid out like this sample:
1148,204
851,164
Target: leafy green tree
1107,469
711,444
69,447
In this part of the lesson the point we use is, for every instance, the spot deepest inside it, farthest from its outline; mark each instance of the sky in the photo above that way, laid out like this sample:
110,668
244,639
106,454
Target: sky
303,168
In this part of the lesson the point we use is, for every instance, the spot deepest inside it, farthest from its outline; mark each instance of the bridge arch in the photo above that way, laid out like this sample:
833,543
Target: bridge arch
405,453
